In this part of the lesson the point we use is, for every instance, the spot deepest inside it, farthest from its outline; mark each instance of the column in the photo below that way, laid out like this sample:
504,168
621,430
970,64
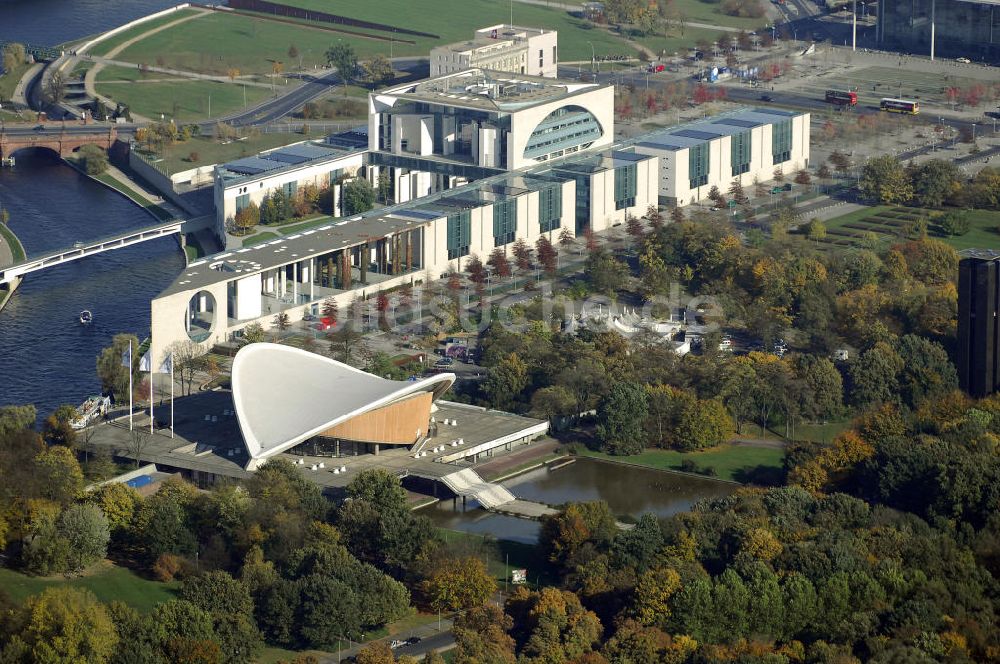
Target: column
366,255
295,282
312,278
409,250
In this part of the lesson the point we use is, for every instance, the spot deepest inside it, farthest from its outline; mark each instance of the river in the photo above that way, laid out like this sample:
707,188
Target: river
51,22
629,491
46,357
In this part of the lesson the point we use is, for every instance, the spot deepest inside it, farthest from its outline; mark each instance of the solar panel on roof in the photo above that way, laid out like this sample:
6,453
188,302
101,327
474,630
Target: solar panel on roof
629,156
252,165
286,158
694,133
658,145
734,122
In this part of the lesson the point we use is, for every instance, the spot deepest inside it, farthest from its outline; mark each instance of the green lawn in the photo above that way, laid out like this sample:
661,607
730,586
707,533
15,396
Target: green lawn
108,584
176,157
501,555
820,433
10,79
183,100
888,223
106,46
731,462
260,238
674,42
16,249
112,73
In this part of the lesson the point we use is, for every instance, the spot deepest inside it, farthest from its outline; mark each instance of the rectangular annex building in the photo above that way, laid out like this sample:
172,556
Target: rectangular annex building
743,145
504,47
320,163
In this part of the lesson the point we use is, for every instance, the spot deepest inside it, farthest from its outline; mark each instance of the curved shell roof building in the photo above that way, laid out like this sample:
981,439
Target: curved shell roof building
285,396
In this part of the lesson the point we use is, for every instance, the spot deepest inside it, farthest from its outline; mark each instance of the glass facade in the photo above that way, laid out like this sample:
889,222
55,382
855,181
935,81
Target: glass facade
625,183
290,188
504,221
781,142
459,234
740,144
962,29
242,201
698,165
549,208
570,127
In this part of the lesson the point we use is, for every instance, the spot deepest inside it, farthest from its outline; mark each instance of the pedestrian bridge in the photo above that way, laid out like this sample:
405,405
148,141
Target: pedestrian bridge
13,273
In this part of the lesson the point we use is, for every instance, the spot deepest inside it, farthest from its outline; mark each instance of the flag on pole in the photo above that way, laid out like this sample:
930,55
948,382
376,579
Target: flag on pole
145,363
168,365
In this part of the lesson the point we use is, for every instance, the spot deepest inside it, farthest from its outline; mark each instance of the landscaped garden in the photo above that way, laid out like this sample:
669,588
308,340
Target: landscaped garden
883,224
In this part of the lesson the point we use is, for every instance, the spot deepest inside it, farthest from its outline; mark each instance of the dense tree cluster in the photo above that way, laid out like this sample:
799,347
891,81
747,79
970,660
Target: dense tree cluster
931,184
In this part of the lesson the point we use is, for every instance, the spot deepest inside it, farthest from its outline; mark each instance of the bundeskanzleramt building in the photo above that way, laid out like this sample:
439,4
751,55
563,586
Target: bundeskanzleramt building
962,28
504,47
978,328
742,145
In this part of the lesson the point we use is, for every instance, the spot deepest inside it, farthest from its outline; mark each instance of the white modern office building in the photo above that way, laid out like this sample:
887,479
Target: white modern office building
504,47
320,163
486,120
382,250
744,145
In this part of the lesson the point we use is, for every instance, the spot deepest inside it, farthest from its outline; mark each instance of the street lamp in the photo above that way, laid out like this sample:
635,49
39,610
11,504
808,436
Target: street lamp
593,58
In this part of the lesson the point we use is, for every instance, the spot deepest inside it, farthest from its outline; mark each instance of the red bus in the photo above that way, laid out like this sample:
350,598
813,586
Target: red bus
842,98
900,106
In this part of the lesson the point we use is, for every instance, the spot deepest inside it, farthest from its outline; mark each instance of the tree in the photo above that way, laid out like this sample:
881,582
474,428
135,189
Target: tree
94,159
118,502
498,262
620,417
716,196
59,475
506,380
65,624
934,182
329,309
378,71
884,180
113,370
457,584
14,56
246,219
552,625
481,635
86,531
293,52
188,358
703,423
874,376
57,430
357,196
816,231
954,223
737,193
229,604
344,341
341,57
281,322
605,273
802,177
138,439
252,334
55,88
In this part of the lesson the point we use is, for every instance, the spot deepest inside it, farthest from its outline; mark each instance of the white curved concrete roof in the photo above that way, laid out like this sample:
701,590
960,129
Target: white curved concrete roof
284,395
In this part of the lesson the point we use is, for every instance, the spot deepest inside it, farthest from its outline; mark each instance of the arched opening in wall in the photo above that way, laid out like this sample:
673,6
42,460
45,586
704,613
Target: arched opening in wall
199,318
563,131
41,155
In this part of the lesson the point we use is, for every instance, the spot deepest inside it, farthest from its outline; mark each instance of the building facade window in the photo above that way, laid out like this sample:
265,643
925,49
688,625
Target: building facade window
698,165
459,234
242,202
740,151
290,188
564,128
550,209
504,221
781,141
625,185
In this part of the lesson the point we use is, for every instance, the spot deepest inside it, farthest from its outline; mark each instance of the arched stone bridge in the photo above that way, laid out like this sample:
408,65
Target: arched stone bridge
61,140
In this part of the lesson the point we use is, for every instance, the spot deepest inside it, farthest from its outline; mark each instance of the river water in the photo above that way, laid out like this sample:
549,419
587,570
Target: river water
51,22
629,492
46,357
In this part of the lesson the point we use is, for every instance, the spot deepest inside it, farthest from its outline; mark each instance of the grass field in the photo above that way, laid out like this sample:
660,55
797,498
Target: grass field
10,79
176,157
890,224
115,74
106,46
108,583
501,555
736,463
16,249
182,100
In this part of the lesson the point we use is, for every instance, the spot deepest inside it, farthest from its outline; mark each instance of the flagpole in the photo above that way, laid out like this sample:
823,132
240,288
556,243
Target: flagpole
152,374
129,384
171,395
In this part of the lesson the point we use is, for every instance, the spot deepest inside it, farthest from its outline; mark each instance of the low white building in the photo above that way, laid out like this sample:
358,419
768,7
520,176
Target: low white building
248,180
508,48
743,145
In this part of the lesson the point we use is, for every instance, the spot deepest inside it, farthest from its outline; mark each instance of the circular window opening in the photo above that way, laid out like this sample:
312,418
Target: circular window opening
200,316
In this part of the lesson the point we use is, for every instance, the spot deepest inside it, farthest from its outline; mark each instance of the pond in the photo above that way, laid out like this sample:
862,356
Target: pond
629,491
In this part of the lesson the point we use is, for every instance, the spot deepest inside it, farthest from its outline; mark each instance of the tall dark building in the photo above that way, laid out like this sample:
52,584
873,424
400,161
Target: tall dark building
963,28
978,325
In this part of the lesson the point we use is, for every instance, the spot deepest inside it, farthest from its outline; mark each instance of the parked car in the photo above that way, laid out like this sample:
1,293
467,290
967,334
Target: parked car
413,640
396,643
309,318
444,362
766,98
964,61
